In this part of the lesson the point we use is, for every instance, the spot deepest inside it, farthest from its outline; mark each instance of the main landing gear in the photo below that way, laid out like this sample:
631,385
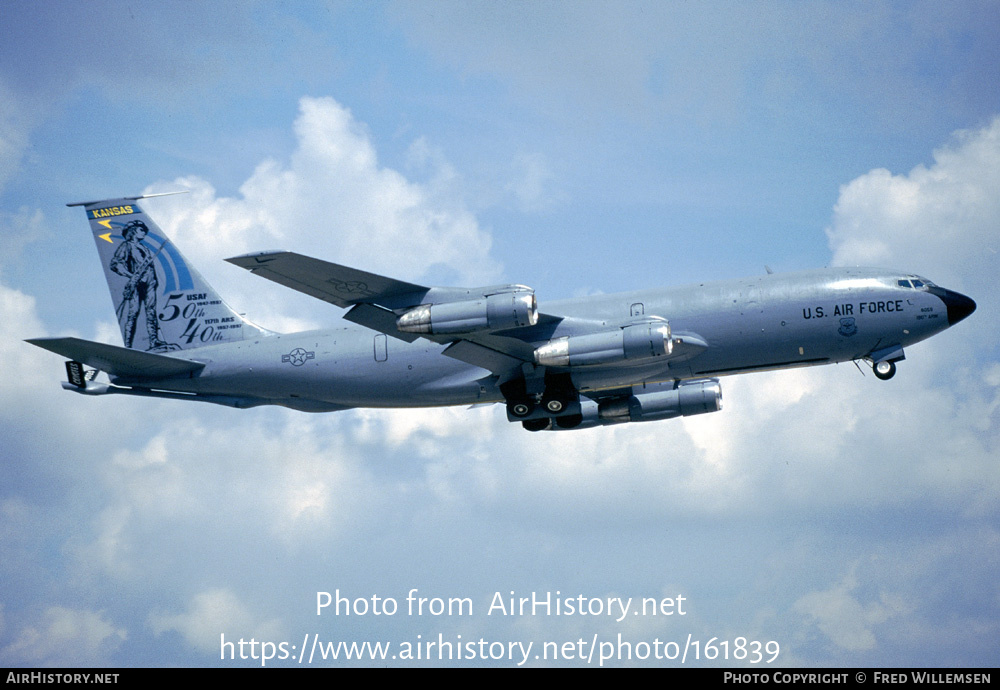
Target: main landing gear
519,403
557,395
521,408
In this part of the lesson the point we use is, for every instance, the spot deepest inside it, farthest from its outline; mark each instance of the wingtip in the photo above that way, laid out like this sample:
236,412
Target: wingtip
255,258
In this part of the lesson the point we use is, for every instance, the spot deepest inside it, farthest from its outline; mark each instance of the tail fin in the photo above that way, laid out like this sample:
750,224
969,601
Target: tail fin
162,304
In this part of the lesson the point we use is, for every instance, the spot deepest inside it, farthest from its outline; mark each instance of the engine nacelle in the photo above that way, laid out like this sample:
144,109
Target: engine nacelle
685,400
491,312
632,344
697,397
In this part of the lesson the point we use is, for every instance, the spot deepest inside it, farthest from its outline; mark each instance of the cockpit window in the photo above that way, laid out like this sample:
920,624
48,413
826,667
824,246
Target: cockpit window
915,282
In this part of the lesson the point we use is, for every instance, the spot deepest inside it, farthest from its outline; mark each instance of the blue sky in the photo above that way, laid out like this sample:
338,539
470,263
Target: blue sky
577,148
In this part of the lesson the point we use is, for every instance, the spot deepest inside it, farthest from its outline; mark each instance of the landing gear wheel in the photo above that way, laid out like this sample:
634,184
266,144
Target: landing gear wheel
559,393
520,408
569,421
884,370
537,424
555,405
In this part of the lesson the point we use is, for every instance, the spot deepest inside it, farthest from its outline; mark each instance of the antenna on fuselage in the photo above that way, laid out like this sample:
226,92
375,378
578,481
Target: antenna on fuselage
132,198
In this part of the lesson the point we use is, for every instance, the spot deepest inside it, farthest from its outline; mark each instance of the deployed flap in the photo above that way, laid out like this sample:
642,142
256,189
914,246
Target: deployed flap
340,285
118,361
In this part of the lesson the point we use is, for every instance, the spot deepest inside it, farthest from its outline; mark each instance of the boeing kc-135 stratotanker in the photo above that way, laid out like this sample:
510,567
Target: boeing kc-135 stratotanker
630,357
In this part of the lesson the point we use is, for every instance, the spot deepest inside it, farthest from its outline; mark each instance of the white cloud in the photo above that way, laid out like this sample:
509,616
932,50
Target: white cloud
214,613
19,229
167,494
331,200
845,620
19,321
66,637
532,179
18,360
940,220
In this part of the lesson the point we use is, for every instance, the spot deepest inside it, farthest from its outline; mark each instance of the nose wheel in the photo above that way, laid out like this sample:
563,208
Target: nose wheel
884,370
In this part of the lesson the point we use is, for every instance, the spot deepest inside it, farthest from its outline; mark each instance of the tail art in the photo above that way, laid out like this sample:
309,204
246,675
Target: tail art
162,304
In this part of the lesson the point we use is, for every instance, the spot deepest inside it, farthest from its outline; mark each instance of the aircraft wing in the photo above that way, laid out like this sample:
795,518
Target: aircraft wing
333,283
368,293
118,361
376,301
491,327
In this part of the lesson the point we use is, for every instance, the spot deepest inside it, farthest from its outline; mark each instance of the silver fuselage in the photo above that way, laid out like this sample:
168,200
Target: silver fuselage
753,324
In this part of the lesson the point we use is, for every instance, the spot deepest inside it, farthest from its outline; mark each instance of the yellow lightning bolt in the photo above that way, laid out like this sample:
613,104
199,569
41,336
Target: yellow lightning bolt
106,237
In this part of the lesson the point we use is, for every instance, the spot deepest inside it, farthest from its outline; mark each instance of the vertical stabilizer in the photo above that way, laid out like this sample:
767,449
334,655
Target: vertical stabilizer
162,303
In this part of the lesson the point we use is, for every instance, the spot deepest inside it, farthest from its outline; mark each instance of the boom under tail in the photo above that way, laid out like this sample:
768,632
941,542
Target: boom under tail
162,303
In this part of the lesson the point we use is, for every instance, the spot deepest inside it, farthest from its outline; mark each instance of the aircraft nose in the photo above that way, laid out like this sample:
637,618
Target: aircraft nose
959,306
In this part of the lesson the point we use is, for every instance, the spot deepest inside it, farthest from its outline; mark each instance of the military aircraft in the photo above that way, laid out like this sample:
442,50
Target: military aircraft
606,359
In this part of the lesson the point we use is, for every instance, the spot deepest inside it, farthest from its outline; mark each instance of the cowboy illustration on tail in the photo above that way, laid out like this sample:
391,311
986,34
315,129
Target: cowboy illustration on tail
134,261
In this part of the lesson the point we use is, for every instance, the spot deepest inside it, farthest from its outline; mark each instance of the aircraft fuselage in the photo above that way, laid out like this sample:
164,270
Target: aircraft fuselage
752,324
605,359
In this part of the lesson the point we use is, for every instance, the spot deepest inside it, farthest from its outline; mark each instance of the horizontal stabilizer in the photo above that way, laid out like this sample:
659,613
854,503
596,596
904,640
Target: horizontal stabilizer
118,361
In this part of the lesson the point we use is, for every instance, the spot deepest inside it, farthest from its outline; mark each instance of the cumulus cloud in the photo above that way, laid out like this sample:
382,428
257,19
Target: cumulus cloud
66,637
531,183
332,200
17,230
207,506
847,622
19,321
938,219
213,613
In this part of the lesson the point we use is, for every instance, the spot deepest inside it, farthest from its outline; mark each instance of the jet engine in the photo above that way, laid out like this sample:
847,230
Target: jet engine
492,312
632,344
682,400
685,400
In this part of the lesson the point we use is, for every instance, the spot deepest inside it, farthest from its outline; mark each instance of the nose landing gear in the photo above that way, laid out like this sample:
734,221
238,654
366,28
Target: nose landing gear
884,370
